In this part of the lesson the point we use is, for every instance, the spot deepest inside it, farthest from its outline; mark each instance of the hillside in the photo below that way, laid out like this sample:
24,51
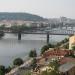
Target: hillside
20,16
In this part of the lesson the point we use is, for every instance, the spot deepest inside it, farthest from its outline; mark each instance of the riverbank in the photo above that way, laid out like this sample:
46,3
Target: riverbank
15,70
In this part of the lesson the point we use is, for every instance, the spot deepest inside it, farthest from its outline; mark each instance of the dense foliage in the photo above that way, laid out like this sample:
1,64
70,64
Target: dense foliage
54,65
2,27
62,42
73,48
33,53
1,34
18,61
20,16
49,73
46,47
2,70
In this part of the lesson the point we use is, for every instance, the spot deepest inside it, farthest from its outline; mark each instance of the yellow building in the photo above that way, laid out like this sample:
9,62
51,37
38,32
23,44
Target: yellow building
71,41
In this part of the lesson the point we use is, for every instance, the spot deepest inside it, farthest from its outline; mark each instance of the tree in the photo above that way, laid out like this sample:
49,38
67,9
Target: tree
73,48
2,70
49,73
18,61
63,42
58,44
1,34
33,53
54,64
17,28
14,28
66,46
2,27
44,48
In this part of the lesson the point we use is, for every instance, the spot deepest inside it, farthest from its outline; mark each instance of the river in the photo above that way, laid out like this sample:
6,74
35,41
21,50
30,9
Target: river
11,47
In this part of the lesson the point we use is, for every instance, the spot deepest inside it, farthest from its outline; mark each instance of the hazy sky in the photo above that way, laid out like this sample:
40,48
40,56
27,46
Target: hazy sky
45,8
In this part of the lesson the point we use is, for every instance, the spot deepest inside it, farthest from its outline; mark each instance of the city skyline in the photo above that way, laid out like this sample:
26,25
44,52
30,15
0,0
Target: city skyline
44,8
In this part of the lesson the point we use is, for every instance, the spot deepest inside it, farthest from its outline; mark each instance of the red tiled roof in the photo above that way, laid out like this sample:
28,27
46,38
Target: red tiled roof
57,53
66,59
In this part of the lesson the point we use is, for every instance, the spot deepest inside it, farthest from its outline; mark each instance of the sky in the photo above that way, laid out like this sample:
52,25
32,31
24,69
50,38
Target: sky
44,8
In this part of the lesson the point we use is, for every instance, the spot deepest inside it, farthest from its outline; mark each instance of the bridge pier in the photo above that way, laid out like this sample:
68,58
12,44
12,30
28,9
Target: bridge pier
47,37
19,36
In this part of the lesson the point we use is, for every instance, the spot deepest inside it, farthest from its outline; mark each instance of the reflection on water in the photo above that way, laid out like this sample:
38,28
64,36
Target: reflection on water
10,47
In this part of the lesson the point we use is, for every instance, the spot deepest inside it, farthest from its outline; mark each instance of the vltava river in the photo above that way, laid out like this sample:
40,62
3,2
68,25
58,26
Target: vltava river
10,47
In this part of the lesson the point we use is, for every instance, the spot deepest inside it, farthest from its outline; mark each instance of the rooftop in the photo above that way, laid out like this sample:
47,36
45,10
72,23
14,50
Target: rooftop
57,52
66,59
66,67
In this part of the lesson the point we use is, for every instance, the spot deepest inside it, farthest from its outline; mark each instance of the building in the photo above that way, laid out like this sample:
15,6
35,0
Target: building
57,53
66,60
71,42
67,69
9,23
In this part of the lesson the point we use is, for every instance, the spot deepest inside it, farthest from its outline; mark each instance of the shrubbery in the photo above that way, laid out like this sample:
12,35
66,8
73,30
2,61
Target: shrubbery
18,62
46,47
33,53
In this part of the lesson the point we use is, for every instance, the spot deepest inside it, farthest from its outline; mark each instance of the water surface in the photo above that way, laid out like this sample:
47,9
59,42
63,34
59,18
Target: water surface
11,47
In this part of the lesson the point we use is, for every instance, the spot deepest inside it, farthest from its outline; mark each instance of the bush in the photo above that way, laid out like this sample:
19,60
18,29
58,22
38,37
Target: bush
66,46
18,61
63,42
49,73
2,70
33,53
44,48
73,48
54,64
1,34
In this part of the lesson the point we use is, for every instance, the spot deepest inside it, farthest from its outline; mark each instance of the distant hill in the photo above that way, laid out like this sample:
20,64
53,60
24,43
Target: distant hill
20,16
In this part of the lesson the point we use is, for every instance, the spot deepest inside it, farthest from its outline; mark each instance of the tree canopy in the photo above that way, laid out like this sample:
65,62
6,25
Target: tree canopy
73,48
20,16
33,53
2,70
46,47
18,61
